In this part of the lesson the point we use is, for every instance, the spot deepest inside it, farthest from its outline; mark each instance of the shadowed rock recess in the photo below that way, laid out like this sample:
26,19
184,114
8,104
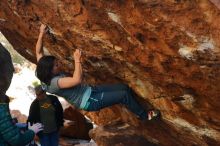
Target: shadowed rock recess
167,51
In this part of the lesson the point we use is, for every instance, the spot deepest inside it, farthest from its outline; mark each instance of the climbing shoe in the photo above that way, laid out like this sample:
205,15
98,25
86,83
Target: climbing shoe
153,114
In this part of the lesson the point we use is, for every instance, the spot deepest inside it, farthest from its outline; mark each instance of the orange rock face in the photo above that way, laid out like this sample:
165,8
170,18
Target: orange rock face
76,125
167,51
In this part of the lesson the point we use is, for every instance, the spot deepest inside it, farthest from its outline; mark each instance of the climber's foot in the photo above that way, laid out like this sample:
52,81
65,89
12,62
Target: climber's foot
153,114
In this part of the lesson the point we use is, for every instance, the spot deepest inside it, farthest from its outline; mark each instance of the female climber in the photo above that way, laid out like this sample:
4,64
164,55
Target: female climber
83,96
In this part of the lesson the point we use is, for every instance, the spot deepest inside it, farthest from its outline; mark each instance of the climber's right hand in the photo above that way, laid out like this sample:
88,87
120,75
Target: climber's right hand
77,55
43,28
35,127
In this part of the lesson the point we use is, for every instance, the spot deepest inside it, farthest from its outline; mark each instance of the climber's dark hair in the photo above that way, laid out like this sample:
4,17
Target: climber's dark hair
44,69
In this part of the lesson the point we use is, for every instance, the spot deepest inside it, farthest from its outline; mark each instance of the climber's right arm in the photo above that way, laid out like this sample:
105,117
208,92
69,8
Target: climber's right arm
39,46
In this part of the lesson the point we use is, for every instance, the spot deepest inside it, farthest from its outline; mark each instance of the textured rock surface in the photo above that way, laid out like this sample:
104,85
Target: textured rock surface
76,125
166,50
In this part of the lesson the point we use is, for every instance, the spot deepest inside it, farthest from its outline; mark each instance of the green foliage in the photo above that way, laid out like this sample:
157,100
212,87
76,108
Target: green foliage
35,83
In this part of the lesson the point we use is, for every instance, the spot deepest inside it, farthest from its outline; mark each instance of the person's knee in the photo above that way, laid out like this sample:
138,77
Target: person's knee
124,86
127,88
126,94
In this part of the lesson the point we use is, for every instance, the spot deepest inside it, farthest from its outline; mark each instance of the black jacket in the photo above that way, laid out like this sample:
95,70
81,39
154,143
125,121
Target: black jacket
34,113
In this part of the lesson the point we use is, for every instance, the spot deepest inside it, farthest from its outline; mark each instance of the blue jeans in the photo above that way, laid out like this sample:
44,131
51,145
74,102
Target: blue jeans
49,139
107,95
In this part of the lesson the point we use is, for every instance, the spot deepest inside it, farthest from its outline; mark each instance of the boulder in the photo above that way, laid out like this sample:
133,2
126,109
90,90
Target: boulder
167,51
75,125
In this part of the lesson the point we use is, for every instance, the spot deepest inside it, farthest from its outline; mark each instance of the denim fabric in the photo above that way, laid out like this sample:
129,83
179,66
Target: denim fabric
49,139
85,97
108,95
